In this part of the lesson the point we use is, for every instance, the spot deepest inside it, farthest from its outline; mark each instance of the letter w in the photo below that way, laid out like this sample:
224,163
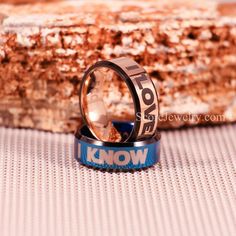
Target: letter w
139,157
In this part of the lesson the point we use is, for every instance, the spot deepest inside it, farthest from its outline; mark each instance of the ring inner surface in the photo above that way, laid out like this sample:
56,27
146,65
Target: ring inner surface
106,98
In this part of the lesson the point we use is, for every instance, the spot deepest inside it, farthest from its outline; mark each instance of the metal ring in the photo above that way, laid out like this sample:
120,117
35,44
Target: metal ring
116,156
143,92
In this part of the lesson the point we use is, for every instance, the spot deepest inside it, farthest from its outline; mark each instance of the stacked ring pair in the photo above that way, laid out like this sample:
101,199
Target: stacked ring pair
104,143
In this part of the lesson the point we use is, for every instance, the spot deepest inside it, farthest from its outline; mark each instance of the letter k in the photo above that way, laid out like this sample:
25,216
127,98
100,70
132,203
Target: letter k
91,156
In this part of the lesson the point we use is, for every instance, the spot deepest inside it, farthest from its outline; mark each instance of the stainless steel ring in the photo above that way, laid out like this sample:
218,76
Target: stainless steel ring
116,156
121,126
143,92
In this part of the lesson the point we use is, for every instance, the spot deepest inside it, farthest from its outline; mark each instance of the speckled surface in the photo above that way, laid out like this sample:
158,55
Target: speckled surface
44,191
189,50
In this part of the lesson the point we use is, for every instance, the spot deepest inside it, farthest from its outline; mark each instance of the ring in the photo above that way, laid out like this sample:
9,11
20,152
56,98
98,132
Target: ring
116,156
94,110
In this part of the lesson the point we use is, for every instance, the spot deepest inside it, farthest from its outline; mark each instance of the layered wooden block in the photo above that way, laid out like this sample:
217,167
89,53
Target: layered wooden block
188,49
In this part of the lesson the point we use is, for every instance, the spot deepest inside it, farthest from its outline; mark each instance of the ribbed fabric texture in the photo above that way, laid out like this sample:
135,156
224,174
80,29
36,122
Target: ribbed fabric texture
192,191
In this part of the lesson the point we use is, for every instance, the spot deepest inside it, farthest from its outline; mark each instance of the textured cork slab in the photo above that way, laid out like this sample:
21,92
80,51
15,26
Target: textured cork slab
26,1
188,49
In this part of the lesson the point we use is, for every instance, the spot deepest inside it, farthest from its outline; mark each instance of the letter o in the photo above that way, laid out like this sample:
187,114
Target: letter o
116,158
145,92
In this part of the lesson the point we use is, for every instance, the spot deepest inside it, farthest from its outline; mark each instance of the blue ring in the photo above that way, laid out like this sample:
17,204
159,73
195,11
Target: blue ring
116,156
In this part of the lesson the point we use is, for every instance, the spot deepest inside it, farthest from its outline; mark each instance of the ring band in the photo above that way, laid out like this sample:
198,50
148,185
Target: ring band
142,90
116,156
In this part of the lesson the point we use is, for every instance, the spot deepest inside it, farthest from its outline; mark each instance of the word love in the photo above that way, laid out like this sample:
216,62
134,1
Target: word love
150,104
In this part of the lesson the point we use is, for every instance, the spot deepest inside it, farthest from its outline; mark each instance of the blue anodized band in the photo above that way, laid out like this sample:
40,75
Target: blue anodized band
116,156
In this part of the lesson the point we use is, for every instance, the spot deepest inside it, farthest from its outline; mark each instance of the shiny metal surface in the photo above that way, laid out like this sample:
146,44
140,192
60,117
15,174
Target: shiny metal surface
122,127
116,156
95,111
